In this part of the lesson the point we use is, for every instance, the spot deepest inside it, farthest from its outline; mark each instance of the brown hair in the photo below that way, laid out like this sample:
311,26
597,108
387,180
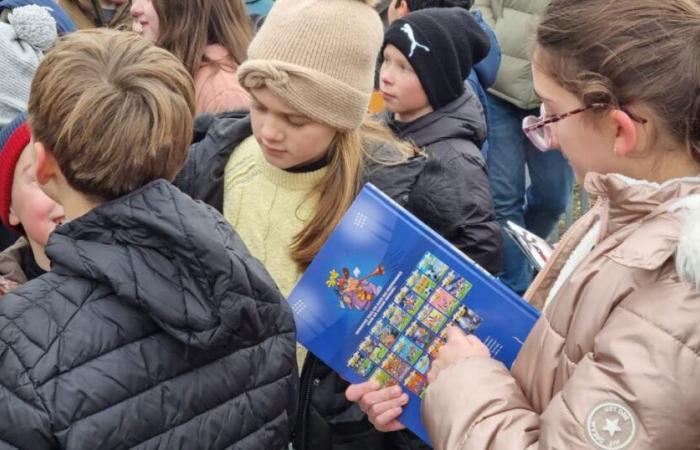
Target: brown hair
114,110
348,154
188,26
622,52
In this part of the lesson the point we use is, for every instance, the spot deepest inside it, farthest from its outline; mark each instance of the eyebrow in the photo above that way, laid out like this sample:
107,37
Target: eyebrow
287,113
542,97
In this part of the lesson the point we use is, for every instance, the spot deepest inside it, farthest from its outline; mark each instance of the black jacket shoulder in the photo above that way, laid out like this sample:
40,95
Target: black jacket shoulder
155,327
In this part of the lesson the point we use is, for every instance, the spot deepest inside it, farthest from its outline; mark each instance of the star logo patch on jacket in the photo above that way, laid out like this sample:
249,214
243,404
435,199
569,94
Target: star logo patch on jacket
611,426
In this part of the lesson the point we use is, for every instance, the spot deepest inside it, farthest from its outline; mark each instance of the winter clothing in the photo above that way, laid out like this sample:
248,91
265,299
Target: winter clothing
442,45
453,135
30,31
484,73
217,89
86,15
260,192
258,8
13,263
64,24
425,186
14,138
612,362
155,328
321,69
514,22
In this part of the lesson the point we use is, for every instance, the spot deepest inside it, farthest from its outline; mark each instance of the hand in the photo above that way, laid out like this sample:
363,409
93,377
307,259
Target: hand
382,406
458,347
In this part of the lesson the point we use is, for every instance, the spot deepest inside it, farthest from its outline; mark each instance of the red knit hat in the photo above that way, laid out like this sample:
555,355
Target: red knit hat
14,138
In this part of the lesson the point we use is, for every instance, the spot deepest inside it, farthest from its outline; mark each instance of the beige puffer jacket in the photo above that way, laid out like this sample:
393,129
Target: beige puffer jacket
614,361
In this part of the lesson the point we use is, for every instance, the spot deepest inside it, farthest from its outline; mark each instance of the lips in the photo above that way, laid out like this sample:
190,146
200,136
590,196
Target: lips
138,26
386,96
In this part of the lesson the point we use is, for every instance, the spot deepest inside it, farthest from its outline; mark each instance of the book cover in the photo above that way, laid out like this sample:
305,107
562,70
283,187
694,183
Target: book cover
376,301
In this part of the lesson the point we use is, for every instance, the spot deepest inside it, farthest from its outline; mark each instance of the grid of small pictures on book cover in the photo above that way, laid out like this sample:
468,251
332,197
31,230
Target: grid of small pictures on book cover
410,332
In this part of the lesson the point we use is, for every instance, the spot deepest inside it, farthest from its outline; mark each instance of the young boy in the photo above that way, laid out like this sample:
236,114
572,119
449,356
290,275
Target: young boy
483,74
426,57
155,327
24,208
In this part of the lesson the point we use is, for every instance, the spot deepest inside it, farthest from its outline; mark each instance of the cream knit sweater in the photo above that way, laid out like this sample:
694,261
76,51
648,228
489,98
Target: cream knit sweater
267,207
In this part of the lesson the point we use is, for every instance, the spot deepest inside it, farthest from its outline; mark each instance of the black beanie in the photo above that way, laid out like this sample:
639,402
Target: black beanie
442,45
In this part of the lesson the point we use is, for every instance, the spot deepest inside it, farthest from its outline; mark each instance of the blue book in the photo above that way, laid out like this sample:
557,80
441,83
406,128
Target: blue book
376,301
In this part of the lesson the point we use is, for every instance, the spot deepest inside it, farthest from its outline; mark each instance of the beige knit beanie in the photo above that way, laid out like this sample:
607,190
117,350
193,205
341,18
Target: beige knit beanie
319,56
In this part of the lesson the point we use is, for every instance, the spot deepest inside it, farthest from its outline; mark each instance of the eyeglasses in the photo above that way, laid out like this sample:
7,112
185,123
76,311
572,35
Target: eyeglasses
538,129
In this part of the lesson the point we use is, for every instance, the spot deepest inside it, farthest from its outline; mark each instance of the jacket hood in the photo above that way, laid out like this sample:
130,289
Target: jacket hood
632,200
176,259
461,119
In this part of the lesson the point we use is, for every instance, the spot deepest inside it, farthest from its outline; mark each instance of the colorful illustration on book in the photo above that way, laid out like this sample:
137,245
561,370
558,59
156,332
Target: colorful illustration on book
407,350
397,317
423,364
375,351
434,348
443,301
363,366
383,378
419,334
432,267
416,382
420,283
467,319
408,300
396,367
354,292
432,318
385,333
455,285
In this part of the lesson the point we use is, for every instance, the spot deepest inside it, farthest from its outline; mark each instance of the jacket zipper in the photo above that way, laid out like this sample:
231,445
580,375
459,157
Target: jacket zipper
306,384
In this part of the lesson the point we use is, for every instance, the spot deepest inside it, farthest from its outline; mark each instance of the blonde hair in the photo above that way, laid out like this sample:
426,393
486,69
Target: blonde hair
114,110
348,155
620,52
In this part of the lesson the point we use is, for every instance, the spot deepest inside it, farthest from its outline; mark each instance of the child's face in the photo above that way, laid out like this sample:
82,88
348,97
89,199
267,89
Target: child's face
29,206
287,138
146,21
588,144
401,89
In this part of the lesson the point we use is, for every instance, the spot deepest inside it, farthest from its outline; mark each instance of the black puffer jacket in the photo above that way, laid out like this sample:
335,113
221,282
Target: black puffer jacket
425,186
156,329
454,135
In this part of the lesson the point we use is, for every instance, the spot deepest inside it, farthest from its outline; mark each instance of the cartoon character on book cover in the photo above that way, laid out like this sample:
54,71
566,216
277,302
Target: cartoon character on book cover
355,292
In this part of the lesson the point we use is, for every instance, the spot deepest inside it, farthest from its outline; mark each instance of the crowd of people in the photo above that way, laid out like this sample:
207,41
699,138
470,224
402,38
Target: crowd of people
170,168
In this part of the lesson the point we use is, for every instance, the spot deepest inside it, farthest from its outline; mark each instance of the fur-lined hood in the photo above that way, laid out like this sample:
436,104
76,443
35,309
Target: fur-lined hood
688,253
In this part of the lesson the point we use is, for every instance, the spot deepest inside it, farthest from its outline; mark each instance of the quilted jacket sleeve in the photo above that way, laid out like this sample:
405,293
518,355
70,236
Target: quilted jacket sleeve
637,365
24,421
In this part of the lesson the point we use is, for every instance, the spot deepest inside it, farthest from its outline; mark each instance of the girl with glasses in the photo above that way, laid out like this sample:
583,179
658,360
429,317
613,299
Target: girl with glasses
613,361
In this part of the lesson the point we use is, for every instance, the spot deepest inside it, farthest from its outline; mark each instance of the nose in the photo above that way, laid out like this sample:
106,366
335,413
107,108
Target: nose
270,130
386,77
136,10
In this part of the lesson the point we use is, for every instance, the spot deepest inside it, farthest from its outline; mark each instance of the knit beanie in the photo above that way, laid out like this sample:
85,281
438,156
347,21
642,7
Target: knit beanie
442,45
13,140
319,57
30,31
64,24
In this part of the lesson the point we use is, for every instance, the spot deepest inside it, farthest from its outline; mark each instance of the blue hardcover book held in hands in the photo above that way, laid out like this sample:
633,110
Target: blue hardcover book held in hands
376,301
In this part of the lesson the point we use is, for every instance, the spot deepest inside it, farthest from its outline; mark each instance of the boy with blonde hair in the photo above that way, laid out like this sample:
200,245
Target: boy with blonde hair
155,326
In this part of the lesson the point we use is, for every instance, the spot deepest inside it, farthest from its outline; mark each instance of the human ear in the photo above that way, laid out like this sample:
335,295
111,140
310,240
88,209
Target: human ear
402,8
45,164
626,136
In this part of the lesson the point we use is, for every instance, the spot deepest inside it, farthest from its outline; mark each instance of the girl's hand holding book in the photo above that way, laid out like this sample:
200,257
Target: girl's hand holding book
458,347
383,406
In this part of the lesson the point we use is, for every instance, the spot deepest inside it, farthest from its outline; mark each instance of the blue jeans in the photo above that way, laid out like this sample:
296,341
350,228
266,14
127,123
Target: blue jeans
538,206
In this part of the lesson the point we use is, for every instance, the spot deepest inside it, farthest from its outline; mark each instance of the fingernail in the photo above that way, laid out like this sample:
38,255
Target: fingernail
395,391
